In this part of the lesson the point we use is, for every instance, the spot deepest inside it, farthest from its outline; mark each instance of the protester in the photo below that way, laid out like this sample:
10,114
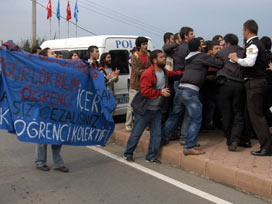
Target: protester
93,54
186,34
41,149
110,76
168,49
73,55
187,97
135,49
209,90
219,38
177,38
59,54
148,106
253,70
232,94
36,50
139,63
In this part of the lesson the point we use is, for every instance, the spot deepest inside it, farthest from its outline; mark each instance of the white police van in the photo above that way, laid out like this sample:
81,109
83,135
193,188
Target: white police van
117,45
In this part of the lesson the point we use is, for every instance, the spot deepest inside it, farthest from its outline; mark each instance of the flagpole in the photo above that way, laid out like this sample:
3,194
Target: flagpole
68,29
76,28
59,27
50,28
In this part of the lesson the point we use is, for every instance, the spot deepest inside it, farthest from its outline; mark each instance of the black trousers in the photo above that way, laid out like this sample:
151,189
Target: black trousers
231,102
255,94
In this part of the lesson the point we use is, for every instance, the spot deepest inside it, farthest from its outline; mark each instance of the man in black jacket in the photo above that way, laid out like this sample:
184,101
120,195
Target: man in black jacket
231,94
254,67
187,96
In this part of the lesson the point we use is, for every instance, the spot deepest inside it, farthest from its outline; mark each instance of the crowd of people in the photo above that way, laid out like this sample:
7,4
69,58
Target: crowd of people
189,86
193,85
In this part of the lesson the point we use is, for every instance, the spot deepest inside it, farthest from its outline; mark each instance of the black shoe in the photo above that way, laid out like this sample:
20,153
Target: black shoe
44,167
233,147
262,152
62,169
245,144
156,161
129,158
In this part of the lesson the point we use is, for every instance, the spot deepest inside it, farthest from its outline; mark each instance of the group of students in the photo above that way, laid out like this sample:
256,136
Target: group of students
110,77
184,84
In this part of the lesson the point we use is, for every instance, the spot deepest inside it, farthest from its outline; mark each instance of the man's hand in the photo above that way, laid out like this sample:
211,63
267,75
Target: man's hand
165,92
270,66
233,57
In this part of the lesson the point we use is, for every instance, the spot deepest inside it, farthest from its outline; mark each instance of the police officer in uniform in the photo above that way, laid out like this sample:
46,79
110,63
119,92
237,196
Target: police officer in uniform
254,75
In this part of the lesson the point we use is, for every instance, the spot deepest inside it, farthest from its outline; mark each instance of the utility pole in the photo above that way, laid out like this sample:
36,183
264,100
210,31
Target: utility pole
33,22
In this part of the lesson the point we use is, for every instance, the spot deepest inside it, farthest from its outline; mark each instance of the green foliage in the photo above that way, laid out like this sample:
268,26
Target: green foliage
27,45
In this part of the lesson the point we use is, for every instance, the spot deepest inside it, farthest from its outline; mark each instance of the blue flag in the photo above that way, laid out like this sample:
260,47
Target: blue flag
58,11
76,12
53,101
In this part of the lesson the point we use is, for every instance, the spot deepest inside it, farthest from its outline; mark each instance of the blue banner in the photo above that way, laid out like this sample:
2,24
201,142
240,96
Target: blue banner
53,101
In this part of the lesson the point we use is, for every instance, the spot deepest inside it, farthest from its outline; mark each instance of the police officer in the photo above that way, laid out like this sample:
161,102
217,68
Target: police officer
253,71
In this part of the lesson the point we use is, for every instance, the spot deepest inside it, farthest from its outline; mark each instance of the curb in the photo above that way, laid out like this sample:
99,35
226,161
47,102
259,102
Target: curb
254,183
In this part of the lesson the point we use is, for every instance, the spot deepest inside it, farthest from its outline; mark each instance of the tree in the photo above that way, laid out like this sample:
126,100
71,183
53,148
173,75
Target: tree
27,46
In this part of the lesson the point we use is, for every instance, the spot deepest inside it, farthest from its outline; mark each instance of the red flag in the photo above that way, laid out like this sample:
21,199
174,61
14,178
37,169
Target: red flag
68,11
49,9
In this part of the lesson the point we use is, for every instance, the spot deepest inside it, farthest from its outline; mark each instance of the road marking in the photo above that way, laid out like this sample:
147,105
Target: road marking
162,177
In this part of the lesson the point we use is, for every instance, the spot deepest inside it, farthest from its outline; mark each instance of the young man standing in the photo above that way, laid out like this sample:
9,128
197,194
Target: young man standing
153,88
253,69
94,56
187,96
139,63
186,34
168,49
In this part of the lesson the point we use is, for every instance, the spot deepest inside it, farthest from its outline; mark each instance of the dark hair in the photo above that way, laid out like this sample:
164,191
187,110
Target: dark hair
185,31
44,51
176,36
194,44
216,37
154,55
103,57
34,49
71,53
91,49
200,38
231,39
167,36
210,44
252,26
266,41
140,40
134,49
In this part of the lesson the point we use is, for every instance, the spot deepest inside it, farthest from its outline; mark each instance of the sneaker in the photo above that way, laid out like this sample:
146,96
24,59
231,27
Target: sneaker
62,169
128,128
129,159
193,151
156,161
44,167
233,147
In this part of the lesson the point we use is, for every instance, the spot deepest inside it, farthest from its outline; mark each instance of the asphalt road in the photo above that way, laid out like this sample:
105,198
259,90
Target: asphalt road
97,179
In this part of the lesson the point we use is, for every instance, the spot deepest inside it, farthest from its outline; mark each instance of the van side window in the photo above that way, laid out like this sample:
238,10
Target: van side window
119,59
83,54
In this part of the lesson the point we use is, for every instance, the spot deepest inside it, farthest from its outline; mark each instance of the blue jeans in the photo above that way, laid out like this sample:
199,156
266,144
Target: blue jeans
188,100
185,126
41,155
153,118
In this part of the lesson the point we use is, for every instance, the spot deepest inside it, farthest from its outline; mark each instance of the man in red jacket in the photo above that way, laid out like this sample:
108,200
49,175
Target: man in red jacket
153,88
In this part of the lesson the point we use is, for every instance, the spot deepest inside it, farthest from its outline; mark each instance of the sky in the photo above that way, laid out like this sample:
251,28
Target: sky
143,17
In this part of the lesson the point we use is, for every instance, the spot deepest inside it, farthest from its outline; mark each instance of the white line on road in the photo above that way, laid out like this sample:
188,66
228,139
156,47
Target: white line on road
162,177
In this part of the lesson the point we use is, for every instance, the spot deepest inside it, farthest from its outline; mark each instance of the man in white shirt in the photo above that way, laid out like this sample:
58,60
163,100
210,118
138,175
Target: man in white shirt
253,69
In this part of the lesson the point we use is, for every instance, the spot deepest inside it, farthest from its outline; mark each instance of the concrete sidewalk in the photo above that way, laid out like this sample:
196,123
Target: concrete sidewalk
239,169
